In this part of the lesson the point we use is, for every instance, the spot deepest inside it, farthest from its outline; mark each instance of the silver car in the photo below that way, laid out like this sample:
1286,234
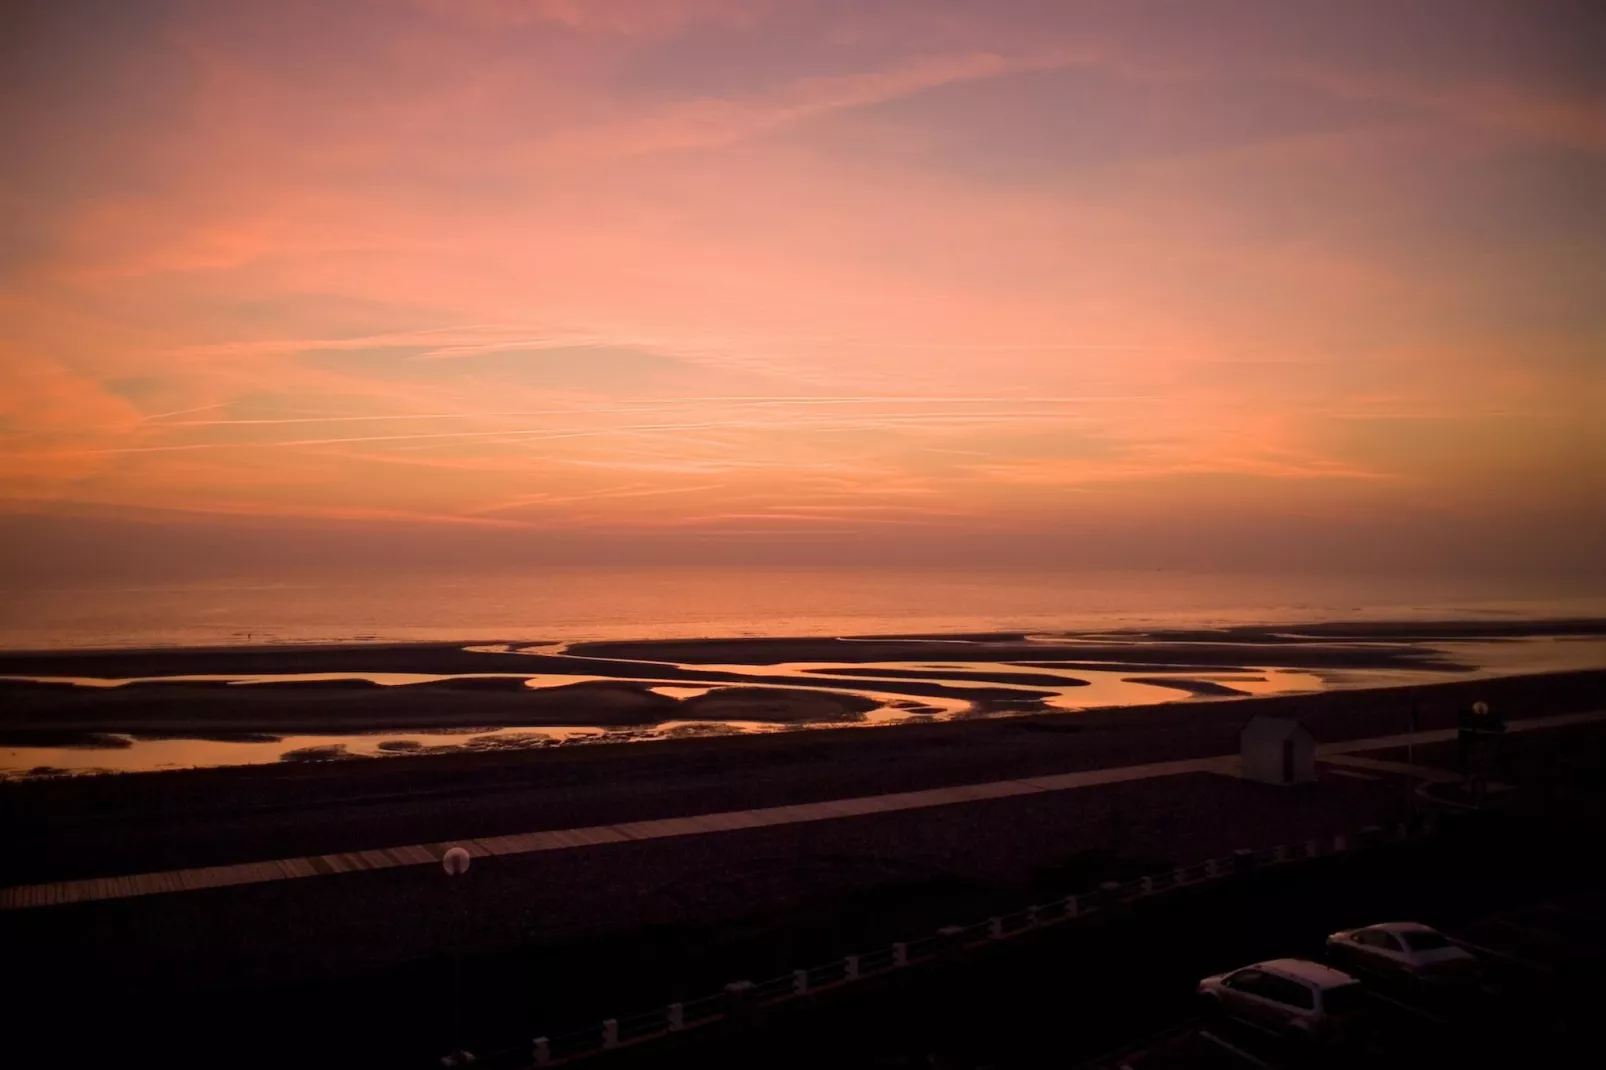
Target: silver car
1302,1001
1404,949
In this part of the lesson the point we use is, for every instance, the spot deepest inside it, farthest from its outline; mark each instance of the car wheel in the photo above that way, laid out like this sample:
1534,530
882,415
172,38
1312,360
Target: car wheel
1209,1006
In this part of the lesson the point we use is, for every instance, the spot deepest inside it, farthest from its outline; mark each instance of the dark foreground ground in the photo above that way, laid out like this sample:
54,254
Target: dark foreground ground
1116,992
354,969
1523,884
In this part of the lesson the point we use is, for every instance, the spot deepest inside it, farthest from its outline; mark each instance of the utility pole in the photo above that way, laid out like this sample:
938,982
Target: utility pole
455,863
1410,756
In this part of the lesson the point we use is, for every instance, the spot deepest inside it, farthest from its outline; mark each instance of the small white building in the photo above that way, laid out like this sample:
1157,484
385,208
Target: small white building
1277,750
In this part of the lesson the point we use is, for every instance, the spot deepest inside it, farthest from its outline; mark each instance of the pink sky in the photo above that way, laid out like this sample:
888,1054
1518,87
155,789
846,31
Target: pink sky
689,277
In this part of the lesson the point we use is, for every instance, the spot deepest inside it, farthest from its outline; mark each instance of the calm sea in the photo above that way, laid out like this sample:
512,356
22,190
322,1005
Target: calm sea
584,603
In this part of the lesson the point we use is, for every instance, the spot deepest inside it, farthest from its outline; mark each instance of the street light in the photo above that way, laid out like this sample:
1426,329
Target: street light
1410,757
455,863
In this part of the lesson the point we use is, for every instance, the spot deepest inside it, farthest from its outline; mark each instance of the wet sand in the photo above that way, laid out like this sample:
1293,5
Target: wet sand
110,699
307,707
1197,688
1001,676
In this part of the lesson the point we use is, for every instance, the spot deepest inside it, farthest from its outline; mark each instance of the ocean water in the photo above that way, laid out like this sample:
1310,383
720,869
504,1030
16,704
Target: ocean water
614,603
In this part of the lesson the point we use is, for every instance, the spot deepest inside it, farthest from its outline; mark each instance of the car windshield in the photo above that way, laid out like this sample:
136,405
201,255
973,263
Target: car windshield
1344,998
1424,941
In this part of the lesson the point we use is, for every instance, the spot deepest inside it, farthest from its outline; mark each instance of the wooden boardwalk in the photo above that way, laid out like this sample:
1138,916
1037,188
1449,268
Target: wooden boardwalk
183,880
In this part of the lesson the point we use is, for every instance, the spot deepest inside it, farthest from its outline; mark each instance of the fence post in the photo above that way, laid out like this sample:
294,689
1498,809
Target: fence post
1179,877
1031,917
1340,844
677,1017
739,1000
995,928
1146,886
543,1052
1211,870
800,982
1072,907
610,1032
950,942
851,968
1312,848
900,954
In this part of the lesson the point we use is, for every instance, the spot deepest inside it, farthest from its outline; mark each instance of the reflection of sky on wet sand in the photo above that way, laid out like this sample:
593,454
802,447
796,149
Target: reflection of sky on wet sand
1540,654
1102,688
680,692
152,755
149,755
1507,657
387,679
146,755
1116,689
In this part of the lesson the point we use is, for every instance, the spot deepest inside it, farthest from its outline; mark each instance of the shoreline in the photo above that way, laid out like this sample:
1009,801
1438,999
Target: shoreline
1437,703
1444,628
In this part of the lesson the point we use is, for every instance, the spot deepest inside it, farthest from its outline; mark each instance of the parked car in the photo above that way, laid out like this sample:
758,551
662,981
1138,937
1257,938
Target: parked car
1405,949
1302,1001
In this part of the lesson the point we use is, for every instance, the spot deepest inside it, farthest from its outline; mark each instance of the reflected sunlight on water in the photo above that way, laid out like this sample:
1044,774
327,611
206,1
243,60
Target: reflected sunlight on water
562,607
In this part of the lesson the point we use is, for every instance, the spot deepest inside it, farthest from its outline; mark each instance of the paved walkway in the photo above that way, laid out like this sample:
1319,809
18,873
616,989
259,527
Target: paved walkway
182,880
1375,765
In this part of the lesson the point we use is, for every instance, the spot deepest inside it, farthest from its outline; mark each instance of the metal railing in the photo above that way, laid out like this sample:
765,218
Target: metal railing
741,997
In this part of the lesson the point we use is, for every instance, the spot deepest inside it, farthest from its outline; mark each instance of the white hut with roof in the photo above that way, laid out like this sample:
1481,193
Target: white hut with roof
1277,750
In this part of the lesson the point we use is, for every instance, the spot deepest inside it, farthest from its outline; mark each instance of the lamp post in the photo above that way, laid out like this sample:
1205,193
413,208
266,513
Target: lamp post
1410,760
455,863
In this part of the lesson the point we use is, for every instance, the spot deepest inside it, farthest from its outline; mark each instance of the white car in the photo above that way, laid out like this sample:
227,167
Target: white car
1404,949
1302,1001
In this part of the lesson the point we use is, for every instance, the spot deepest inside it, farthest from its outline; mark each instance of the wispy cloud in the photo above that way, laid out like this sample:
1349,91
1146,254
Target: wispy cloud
715,121
722,267
628,17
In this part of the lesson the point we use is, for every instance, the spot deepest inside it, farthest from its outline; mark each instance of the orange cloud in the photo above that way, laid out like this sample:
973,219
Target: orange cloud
608,16
593,265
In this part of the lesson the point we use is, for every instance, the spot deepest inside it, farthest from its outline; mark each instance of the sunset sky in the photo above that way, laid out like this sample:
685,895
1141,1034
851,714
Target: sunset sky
705,280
